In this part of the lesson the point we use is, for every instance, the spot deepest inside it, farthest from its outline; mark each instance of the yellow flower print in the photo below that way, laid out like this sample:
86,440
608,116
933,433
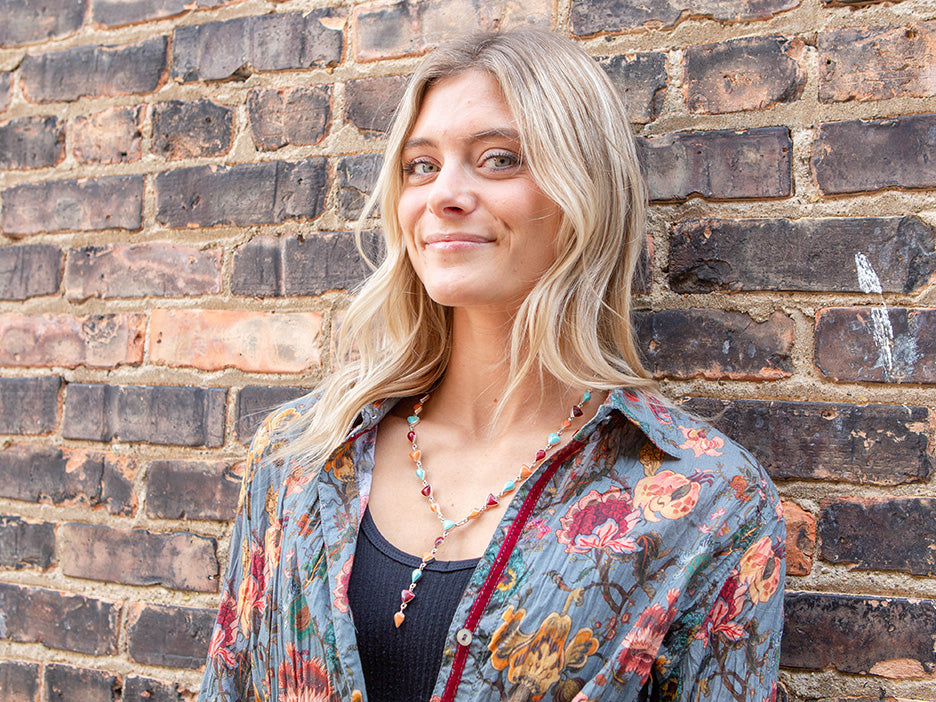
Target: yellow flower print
759,570
651,458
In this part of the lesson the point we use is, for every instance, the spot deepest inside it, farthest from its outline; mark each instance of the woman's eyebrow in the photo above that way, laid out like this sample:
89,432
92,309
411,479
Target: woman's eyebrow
496,133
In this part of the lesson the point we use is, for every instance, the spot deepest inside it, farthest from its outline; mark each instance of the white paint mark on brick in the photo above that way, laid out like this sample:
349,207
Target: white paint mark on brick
880,320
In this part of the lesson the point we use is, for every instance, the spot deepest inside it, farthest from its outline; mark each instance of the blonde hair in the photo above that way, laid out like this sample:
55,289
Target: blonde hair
575,323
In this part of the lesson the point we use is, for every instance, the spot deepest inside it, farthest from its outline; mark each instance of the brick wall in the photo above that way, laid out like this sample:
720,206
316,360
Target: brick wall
179,179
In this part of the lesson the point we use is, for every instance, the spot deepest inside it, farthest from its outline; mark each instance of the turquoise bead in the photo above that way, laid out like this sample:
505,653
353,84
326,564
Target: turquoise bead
417,574
508,486
586,397
420,473
448,524
553,439
412,419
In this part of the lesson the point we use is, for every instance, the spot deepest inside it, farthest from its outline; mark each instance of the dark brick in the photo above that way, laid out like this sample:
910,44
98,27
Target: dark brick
718,165
26,544
191,129
116,13
137,689
191,490
29,271
28,21
59,620
297,115
858,634
19,682
29,405
249,193
751,73
370,102
858,156
871,445
65,683
356,177
274,42
702,343
178,560
183,416
641,79
871,344
615,16
110,136
94,71
85,205
268,266
255,402
818,254
880,533
6,82
158,269
96,341
174,637
31,142
68,476
408,27
859,63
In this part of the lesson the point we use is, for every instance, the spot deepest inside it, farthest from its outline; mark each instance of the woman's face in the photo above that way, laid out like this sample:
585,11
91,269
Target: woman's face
479,232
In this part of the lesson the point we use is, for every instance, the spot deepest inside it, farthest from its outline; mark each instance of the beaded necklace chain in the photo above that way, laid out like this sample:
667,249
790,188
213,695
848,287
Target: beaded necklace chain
493,499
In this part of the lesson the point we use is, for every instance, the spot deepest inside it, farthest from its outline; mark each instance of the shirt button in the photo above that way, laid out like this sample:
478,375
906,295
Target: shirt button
463,637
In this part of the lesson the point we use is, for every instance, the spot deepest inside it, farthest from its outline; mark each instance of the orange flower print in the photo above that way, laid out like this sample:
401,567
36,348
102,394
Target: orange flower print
759,570
641,644
700,444
599,520
302,678
341,588
667,494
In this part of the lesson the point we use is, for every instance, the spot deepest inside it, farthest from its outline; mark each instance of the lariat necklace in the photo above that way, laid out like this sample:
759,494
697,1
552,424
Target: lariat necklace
492,500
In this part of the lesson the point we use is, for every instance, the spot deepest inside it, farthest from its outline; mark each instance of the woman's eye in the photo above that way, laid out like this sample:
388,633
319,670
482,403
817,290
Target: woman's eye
501,161
420,168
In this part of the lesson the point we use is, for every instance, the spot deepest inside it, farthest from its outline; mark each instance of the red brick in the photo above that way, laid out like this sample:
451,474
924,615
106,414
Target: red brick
19,681
616,16
880,533
94,71
68,476
408,27
298,116
100,341
859,156
818,254
178,560
295,265
173,637
719,165
641,79
800,538
31,142
861,63
65,683
248,193
137,689
183,416
110,136
858,634
6,82
255,402
29,405
91,204
274,42
703,343
29,271
28,21
191,129
26,544
356,177
263,342
869,344
191,490
751,73
370,102
156,269
116,13
59,620
869,445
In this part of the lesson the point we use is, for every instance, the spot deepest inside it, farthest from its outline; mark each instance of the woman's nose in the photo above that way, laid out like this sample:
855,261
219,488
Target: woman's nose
452,192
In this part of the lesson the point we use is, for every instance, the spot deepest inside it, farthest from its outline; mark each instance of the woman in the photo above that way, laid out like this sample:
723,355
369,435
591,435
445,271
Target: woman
514,512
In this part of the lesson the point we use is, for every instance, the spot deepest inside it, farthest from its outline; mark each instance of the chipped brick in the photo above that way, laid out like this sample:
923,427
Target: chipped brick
139,689
116,13
29,270
114,135
29,405
370,102
31,142
356,177
6,83
19,681
65,683
191,490
800,539
249,193
641,79
298,116
26,544
255,402
191,129
184,416
98,341
28,21
174,637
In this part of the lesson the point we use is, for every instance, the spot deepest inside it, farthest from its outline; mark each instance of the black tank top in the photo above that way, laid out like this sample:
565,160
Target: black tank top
401,665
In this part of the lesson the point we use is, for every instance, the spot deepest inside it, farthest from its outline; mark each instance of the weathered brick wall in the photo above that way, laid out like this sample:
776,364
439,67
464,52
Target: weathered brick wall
179,179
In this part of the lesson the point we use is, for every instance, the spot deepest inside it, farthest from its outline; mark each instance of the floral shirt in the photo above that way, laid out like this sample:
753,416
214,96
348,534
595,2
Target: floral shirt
644,561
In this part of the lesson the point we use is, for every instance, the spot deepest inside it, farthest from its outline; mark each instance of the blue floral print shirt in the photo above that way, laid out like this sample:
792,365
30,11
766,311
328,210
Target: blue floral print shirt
644,561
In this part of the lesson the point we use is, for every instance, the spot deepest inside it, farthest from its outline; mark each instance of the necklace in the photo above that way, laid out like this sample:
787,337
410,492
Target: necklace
492,500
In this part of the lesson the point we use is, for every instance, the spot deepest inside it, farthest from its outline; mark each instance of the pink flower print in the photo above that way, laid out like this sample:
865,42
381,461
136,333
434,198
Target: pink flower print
599,520
700,444
759,570
667,494
341,588
223,636
641,644
720,619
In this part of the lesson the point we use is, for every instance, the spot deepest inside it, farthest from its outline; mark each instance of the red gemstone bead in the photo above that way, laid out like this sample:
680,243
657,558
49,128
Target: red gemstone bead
577,411
438,541
407,595
426,490
491,500
540,455
411,435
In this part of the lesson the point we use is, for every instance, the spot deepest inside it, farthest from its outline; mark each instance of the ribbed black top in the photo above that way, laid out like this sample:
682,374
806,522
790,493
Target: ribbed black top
401,665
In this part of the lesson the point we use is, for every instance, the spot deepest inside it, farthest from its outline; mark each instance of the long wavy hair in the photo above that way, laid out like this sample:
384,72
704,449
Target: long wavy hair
575,325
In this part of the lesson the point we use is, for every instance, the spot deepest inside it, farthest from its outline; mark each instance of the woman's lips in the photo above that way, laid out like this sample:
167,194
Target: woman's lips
453,241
